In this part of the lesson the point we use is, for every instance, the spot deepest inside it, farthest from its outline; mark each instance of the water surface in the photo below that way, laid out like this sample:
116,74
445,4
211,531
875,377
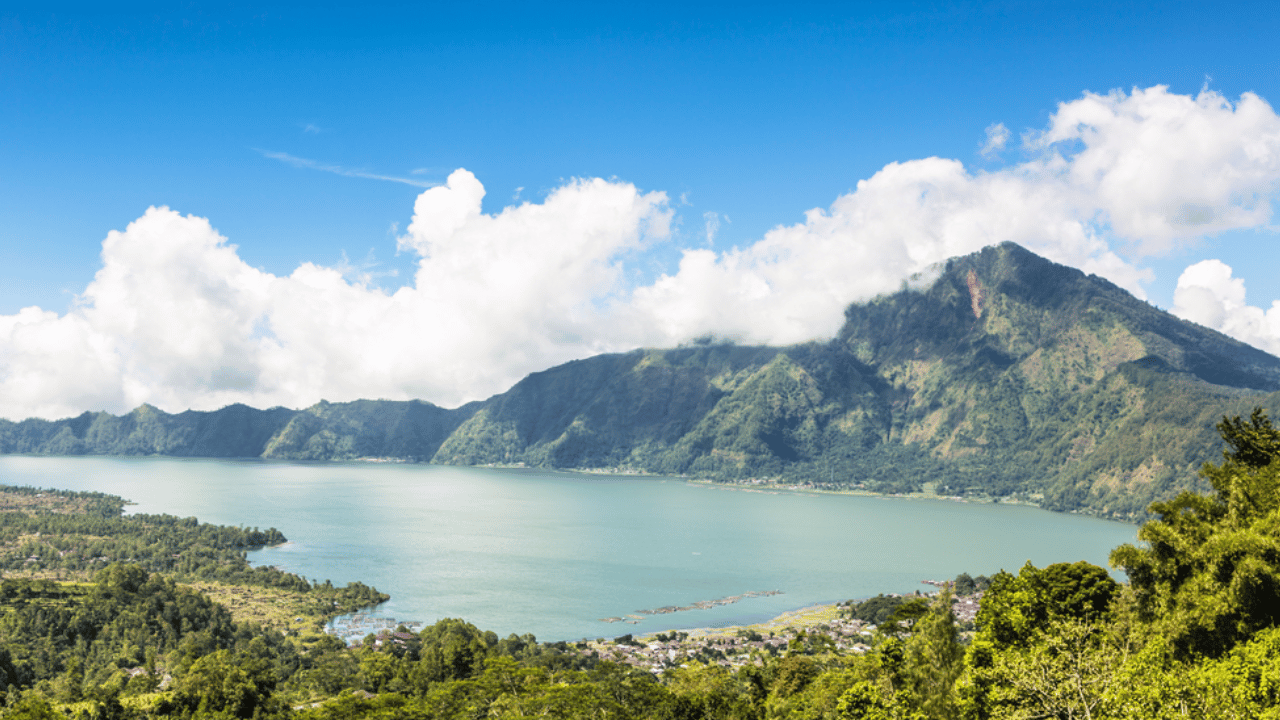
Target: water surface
553,553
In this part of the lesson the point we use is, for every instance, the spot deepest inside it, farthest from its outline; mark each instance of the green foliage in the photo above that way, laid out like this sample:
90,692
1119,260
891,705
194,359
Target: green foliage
78,544
1209,576
1065,673
1253,444
905,615
966,584
1016,608
32,706
933,659
1026,623
221,682
1194,636
864,701
709,691
80,635
876,610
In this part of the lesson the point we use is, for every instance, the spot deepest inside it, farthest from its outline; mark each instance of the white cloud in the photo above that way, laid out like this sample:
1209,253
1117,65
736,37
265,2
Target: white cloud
177,319
712,220
997,138
1141,171
339,170
1160,168
794,283
1208,294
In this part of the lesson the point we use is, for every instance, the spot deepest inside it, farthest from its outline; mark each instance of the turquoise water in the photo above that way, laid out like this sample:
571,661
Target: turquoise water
553,553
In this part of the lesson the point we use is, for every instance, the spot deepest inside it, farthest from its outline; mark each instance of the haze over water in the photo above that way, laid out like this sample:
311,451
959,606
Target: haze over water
552,553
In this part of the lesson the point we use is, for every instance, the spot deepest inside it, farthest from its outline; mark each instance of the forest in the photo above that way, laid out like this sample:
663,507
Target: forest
1194,632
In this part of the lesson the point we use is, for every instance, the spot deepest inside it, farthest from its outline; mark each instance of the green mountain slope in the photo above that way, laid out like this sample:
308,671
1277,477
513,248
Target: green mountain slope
1007,376
326,431
1040,379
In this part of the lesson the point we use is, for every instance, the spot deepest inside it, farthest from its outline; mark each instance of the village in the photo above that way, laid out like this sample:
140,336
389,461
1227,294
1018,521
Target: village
817,629
661,651
812,630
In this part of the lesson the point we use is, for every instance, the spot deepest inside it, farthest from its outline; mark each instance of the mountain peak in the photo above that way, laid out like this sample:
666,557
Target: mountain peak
1008,376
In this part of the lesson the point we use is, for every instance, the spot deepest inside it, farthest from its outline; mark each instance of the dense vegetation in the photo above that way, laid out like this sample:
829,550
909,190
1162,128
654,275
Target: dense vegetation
60,535
1007,377
1196,633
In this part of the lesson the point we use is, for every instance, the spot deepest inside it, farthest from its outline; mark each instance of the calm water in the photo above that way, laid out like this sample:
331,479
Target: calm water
551,553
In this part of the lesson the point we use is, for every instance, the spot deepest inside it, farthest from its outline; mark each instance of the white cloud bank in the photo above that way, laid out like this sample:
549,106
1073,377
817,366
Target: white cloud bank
175,318
1208,294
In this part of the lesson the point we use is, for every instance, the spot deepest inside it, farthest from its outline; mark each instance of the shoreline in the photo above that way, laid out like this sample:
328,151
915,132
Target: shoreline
752,485
808,616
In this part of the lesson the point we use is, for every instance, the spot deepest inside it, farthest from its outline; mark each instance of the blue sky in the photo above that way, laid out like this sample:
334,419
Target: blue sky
305,132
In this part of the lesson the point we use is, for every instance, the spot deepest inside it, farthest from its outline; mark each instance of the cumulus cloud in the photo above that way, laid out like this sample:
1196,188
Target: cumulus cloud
177,319
1160,168
1141,171
793,284
1208,294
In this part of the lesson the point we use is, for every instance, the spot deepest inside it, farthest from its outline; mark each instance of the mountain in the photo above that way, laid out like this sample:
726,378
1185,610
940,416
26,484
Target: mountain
1007,376
406,430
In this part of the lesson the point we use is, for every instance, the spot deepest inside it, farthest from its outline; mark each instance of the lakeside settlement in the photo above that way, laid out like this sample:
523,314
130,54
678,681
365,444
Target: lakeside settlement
827,626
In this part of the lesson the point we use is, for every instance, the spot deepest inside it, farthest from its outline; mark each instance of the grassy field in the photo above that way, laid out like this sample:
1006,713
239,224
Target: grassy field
32,501
271,608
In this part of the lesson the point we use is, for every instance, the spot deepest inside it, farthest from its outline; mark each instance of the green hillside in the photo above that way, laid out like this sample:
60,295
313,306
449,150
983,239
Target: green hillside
1008,376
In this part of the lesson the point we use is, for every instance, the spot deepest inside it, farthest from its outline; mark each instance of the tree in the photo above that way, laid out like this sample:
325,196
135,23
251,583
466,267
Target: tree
1066,675
33,706
863,701
217,683
452,649
709,691
1254,443
904,616
1209,575
1034,631
933,660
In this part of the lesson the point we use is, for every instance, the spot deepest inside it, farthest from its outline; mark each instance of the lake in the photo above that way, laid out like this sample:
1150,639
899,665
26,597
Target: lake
530,551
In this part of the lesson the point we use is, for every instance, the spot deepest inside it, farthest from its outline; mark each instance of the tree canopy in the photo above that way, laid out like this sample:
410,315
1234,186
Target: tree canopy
1209,576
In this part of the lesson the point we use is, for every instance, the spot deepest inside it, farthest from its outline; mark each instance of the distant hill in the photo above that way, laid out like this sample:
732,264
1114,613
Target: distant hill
1008,376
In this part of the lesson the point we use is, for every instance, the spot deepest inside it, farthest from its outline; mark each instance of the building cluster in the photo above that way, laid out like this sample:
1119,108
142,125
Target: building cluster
656,653
354,628
965,607
734,647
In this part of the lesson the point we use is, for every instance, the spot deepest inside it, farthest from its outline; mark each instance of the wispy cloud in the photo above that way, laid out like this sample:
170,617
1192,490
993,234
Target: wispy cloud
312,129
997,138
713,226
339,170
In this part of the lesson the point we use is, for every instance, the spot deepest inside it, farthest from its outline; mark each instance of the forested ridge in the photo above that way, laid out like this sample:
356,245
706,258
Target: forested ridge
1194,633
1007,376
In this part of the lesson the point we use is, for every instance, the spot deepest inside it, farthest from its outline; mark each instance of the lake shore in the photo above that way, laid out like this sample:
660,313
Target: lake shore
800,618
767,486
